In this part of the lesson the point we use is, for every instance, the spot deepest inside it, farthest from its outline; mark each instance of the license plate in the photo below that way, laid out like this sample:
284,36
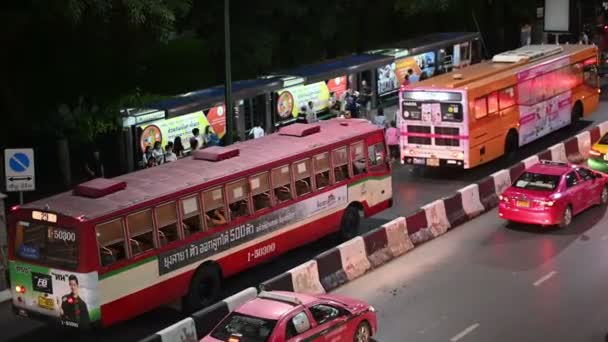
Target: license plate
432,162
606,156
523,204
419,161
46,303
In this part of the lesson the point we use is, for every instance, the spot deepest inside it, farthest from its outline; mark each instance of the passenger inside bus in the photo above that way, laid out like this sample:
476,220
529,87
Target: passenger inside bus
239,209
322,179
359,166
215,217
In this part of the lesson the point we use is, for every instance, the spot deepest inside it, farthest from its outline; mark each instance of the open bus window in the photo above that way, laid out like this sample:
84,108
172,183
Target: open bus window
340,159
302,173
166,218
141,231
260,189
376,154
321,162
238,198
215,209
191,217
359,158
111,241
49,245
281,180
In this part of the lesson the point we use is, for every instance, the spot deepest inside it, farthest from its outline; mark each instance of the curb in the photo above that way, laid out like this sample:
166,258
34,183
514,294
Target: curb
5,295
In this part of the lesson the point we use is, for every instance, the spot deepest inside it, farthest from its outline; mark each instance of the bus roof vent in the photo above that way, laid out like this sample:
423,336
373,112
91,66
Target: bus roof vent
527,53
300,130
216,153
99,187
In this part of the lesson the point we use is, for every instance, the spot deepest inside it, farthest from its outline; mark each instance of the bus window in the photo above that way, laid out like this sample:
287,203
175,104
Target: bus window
51,245
141,228
321,162
111,240
301,171
506,98
215,209
376,154
191,217
590,76
359,159
493,103
166,219
238,198
340,159
281,180
260,189
481,108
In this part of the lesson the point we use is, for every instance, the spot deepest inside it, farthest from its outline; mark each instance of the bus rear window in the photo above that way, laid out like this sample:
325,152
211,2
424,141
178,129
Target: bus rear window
48,245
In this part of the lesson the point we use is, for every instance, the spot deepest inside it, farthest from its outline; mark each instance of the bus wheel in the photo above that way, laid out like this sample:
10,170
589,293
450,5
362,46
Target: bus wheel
577,112
349,228
205,288
511,145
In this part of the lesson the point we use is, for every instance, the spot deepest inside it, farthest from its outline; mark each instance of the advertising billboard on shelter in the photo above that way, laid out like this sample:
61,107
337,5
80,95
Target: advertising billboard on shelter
165,130
291,99
391,76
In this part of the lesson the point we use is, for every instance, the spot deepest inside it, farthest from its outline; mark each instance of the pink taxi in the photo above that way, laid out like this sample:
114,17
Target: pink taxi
551,193
284,316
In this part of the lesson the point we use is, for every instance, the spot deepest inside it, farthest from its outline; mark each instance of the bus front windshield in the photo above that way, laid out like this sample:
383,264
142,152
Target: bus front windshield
46,244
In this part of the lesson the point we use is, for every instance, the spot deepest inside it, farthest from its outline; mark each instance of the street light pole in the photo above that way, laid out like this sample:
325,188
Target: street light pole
228,81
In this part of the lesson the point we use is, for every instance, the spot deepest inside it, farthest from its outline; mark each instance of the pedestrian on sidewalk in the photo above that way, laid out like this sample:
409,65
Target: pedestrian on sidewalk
392,140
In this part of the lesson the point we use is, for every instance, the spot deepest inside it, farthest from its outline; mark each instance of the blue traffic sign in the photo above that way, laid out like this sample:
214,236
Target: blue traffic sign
19,162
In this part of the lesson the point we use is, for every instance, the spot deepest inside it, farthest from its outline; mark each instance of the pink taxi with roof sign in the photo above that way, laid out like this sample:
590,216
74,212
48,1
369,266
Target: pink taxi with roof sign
552,193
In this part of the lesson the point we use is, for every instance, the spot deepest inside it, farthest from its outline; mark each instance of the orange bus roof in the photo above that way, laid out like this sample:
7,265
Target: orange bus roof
482,73
190,174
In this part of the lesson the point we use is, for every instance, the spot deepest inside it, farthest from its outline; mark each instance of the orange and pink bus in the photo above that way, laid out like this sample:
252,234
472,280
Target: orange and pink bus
111,249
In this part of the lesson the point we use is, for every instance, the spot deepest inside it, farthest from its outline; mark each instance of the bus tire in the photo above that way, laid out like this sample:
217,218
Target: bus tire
577,112
351,221
205,288
511,145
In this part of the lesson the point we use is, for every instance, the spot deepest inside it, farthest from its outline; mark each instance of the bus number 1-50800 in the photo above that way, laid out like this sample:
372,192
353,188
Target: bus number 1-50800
260,252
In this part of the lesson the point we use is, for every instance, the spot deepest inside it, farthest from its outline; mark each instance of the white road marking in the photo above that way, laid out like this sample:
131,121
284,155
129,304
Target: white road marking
465,332
545,278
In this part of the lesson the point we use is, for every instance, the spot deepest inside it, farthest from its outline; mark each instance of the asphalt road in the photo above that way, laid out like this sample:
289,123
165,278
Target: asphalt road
489,281
411,190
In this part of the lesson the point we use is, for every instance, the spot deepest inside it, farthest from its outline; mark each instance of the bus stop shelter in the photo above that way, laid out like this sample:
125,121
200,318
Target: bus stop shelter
423,57
322,81
178,116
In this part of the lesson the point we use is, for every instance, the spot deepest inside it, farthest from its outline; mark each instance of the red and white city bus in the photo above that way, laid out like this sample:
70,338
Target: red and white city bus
112,249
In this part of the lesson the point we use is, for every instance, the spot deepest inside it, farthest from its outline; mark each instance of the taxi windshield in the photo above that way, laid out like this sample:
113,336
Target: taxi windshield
252,329
46,244
537,181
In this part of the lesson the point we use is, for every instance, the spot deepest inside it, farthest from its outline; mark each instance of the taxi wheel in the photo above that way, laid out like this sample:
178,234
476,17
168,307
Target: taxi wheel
566,217
363,333
205,288
349,228
604,196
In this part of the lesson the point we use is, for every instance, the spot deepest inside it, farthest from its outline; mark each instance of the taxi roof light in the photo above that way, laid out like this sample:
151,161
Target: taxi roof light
280,297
